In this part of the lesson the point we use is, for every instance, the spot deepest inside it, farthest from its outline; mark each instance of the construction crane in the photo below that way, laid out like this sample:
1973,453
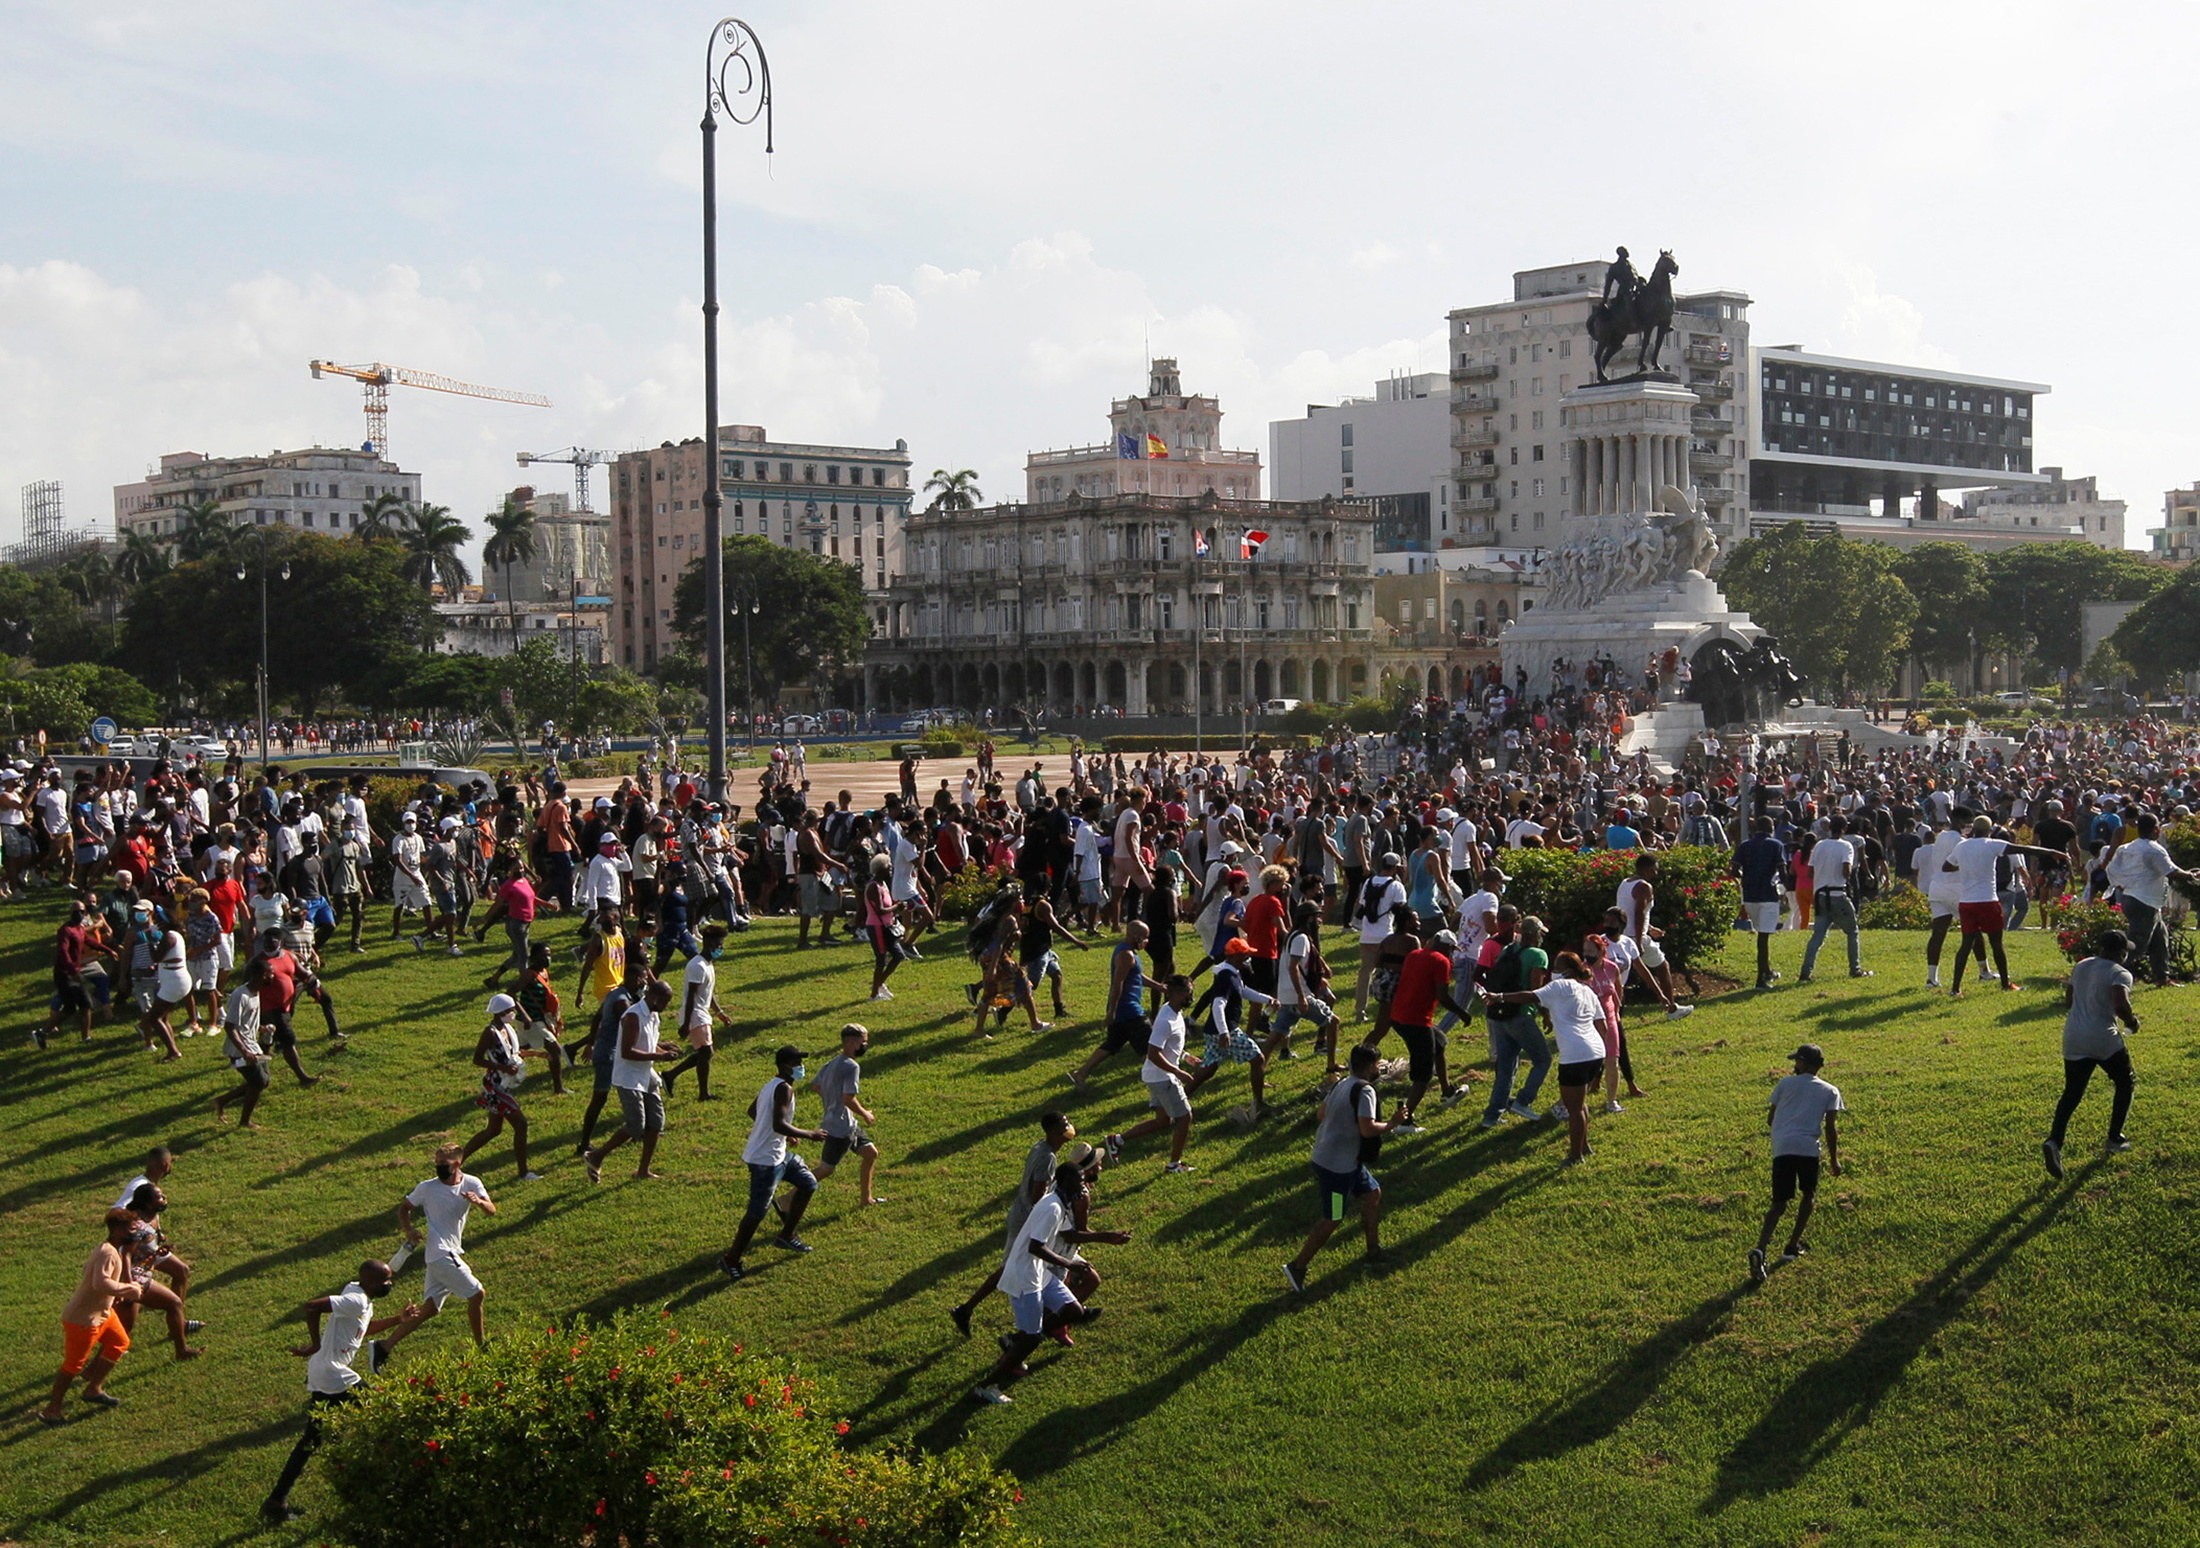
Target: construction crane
581,459
378,379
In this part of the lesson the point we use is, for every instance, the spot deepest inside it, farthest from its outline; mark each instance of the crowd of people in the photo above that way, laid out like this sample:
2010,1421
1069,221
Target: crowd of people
198,904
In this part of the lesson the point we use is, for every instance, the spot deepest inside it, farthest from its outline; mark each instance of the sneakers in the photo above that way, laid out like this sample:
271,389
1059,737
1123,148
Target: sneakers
1407,1126
38,1036
416,946
730,1267
1863,973
1179,1166
1493,1123
1613,1106
1523,1110
960,1316
1676,1012
2051,1155
1293,1277
272,1512
1557,1114
790,1243
884,993
378,1355
1453,1097
1794,1252
1757,1271
453,951
530,1177
2117,1145
991,1394
1114,1144
193,1325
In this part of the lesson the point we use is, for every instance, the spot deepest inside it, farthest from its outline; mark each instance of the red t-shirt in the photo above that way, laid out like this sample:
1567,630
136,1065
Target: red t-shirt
1264,917
279,989
225,897
518,898
1419,977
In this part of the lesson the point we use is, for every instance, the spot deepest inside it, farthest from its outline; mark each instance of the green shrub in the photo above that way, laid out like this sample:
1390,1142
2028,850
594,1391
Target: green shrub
1901,907
944,741
966,891
1937,692
632,1433
1696,900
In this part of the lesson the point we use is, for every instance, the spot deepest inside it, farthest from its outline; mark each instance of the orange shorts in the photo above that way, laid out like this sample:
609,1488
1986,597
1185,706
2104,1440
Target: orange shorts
77,1341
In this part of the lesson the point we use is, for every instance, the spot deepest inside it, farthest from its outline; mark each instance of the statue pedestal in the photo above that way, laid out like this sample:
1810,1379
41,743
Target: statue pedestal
1630,627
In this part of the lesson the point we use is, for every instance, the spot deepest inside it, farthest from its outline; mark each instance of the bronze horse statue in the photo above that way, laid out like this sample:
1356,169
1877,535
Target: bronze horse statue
1648,310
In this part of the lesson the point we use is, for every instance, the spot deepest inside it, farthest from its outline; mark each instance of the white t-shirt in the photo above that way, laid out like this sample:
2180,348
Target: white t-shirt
329,1371
243,1014
1830,857
1574,1011
1168,1036
698,986
1521,829
1799,1102
1462,845
1626,901
1975,878
1623,954
1298,949
2141,868
1471,913
440,1201
636,1074
1022,1273
903,852
766,1145
1388,892
1085,851
129,1190
1942,886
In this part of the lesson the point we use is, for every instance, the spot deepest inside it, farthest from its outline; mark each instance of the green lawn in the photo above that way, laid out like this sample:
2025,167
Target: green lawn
1971,1355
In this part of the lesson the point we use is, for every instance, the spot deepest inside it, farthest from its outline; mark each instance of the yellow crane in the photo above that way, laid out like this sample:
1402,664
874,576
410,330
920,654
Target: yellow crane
378,379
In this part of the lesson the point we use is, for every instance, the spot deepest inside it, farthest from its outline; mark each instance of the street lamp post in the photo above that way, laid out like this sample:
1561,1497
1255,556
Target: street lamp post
737,80
749,607
263,540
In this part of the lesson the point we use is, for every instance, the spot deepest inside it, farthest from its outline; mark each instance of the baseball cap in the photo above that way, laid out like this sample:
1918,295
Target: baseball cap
1444,940
603,803
1809,1053
448,825
1237,946
141,907
607,841
500,1003
410,819
1391,858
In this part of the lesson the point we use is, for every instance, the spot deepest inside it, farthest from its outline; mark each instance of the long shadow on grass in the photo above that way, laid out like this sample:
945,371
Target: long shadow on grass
431,1122
670,1290
171,1472
1608,1402
1838,1394
368,1230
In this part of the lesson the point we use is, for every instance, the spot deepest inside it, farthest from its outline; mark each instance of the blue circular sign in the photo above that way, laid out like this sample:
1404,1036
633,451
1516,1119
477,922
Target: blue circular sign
104,729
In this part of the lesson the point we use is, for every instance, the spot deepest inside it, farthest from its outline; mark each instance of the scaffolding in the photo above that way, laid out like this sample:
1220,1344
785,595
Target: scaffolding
47,540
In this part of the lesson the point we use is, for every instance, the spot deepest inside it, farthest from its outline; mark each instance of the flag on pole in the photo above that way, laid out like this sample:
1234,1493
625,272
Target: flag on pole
1199,544
1249,545
1126,445
1155,446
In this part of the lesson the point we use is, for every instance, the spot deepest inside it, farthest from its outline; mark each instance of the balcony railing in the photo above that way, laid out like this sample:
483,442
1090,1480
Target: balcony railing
1482,371
1716,390
1474,435
1474,403
1710,354
1473,501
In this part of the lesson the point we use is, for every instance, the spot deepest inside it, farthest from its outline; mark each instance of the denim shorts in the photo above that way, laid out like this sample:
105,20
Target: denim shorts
764,1181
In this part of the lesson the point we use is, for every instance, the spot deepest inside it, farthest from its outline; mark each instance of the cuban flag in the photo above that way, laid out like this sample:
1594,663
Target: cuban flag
1249,545
1199,544
1126,445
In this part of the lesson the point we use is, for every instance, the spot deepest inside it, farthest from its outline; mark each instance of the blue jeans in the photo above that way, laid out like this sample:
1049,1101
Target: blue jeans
2016,903
1508,1041
1833,910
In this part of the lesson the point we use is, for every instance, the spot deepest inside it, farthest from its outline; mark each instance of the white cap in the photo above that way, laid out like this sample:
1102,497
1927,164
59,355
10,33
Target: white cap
408,817
500,1003
448,825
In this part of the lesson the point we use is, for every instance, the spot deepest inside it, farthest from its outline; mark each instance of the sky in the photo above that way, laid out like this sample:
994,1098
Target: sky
980,217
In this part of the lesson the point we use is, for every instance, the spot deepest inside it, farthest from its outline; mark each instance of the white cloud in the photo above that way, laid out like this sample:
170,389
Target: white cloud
1879,326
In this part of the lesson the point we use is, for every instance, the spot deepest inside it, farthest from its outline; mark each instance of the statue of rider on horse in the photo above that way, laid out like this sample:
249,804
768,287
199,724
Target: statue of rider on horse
1633,305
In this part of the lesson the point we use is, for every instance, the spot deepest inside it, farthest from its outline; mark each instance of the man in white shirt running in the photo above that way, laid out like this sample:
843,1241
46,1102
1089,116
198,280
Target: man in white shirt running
1941,887
771,1162
2140,870
1833,870
1971,861
328,1352
445,1200
1041,1252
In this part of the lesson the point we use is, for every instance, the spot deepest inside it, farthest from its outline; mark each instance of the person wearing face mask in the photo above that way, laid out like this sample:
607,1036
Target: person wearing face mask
698,1009
445,1200
771,1162
497,1056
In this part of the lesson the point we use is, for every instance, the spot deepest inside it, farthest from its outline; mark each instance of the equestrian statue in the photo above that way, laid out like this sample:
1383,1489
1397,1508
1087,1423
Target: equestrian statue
1633,305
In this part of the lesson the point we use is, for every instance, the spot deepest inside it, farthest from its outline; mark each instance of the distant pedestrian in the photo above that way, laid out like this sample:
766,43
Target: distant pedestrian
846,1118
1801,1104
2100,997
1347,1140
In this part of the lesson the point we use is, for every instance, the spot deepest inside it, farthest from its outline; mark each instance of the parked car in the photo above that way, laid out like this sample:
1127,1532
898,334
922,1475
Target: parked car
127,746
201,746
1278,706
2020,698
801,725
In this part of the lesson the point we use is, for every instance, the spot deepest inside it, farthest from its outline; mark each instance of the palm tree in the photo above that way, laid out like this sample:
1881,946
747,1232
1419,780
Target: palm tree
93,579
204,531
384,517
958,491
511,543
142,558
432,541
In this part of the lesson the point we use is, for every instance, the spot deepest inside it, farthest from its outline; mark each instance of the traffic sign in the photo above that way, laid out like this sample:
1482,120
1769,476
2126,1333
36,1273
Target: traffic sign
104,730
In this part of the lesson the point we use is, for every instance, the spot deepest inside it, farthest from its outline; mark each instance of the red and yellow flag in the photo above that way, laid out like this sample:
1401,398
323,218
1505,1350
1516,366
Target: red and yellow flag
1155,446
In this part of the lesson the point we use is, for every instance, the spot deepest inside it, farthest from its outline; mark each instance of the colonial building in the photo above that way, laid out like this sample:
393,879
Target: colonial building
848,503
1165,443
319,489
572,554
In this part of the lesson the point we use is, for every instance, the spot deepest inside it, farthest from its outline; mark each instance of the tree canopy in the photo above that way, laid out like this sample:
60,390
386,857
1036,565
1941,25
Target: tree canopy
1839,608
2036,595
810,623
2161,638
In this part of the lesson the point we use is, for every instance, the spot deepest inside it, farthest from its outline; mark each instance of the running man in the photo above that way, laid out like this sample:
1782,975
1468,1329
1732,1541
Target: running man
771,1162
1637,897
637,1052
240,1021
2100,996
1055,1131
698,1009
1032,1274
1972,862
497,1056
328,1353
89,1319
1127,1024
444,1200
838,1082
1166,1079
1348,1137
1800,1104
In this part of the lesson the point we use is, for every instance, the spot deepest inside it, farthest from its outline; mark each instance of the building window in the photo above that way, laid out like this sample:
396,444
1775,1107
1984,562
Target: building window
1346,460
1536,454
1565,349
1344,434
1535,422
832,475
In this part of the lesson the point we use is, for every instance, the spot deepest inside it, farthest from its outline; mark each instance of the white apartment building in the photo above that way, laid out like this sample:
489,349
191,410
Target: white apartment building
1165,443
2179,535
2066,505
572,553
319,489
849,503
1390,450
1511,362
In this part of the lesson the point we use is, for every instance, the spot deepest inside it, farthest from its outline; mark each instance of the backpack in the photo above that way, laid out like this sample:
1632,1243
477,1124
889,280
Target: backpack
1507,976
1368,894
986,923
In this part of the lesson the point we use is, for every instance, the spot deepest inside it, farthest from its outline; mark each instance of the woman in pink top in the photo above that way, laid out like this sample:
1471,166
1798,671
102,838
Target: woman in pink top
888,950
1610,987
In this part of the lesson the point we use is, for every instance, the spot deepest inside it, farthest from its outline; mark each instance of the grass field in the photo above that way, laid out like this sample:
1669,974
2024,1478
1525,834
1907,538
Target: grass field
1971,1355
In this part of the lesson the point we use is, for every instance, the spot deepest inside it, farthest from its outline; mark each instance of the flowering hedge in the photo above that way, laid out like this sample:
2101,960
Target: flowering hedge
1695,906
968,890
1900,907
633,1433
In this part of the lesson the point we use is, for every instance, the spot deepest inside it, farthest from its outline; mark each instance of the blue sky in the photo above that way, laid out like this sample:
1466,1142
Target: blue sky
980,213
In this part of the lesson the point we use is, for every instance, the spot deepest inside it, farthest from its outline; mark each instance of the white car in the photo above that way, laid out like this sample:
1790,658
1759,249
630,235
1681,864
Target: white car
801,725
201,746
126,746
